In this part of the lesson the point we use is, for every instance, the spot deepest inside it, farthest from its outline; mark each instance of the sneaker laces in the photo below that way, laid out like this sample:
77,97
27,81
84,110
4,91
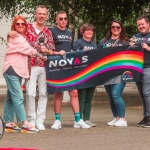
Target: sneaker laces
29,126
88,122
12,125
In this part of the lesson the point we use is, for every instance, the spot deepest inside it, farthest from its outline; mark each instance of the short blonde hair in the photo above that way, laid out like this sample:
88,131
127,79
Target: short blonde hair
41,6
60,12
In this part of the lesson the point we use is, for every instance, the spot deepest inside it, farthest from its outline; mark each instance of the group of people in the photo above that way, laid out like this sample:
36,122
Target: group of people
29,43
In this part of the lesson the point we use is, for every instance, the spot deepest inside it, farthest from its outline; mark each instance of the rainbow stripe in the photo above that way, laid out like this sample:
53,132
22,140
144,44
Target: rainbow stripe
121,60
127,73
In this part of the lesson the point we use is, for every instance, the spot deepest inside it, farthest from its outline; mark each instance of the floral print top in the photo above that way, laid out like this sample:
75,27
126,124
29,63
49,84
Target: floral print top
33,39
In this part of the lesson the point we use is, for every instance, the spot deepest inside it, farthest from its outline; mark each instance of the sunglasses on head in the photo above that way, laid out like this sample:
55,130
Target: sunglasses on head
19,24
117,27
63,19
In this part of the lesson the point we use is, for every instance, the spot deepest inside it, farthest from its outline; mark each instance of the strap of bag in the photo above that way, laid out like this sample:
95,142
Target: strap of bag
115,42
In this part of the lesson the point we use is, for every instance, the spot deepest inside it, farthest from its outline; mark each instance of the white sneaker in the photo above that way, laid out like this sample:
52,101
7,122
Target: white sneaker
40,126
56,125
65,100
120,123
111,123
66,97
88,122
32,122
81,124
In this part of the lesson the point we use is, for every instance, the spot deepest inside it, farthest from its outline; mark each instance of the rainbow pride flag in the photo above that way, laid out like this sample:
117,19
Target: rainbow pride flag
101,66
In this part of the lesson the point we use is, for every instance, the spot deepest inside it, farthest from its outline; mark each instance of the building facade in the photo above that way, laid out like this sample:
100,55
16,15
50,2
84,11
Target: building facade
5,28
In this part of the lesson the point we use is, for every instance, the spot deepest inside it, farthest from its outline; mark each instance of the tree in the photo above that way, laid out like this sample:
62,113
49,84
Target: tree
99,12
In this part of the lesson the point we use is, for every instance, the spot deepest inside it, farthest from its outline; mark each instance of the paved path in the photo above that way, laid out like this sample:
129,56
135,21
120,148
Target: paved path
100,137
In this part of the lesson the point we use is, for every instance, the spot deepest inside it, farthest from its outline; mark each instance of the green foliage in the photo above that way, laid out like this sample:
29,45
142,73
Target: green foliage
98,12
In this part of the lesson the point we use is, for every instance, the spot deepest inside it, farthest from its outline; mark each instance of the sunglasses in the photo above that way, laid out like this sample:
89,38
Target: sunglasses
117,27
63,19
19,24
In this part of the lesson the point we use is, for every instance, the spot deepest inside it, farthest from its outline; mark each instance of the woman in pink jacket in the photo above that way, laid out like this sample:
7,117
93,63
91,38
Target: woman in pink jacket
14,69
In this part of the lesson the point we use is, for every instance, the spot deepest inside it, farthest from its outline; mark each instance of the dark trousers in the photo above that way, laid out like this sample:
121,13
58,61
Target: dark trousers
85,102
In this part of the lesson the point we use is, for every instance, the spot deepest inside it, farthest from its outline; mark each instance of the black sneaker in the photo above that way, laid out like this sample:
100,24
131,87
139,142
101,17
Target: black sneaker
147,124
143,122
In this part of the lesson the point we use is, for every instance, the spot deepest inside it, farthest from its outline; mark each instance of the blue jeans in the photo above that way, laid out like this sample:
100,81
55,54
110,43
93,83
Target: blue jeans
14,99
117,105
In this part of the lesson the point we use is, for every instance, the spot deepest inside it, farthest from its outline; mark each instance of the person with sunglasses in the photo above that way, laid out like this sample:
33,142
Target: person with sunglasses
85,95
63,43
116,36
38,36
143,38
14,69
